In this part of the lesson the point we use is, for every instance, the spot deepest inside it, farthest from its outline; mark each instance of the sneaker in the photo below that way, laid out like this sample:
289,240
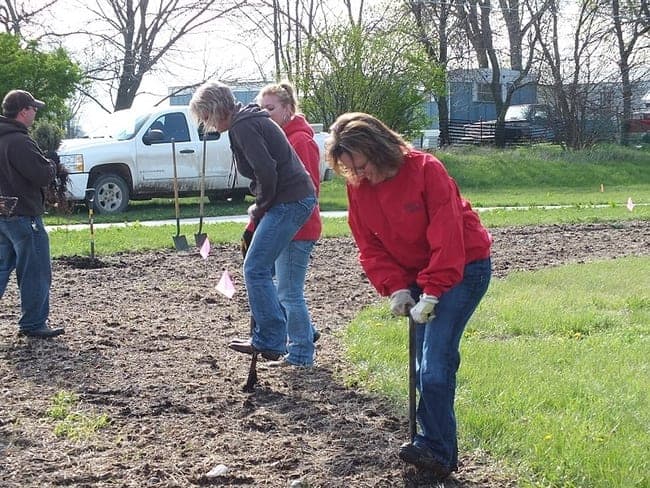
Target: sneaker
43,332
423,458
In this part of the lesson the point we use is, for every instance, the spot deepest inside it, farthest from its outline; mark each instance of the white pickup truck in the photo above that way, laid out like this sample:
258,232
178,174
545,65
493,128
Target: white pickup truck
131,159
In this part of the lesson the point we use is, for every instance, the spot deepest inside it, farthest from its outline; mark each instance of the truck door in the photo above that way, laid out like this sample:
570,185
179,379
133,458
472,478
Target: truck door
219,164
155,159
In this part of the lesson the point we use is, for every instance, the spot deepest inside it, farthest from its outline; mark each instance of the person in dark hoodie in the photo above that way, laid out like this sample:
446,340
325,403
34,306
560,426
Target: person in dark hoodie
24,245
280,102
284,199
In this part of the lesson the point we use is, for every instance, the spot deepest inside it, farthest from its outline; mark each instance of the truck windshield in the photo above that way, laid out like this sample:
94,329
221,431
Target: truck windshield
121,125
518,112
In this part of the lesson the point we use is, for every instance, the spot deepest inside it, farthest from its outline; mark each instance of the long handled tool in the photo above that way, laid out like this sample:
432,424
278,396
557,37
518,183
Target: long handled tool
249,387
412,380
90,202
200,237
180,242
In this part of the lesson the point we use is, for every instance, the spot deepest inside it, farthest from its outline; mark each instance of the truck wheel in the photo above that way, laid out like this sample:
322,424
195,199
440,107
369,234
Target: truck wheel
111,194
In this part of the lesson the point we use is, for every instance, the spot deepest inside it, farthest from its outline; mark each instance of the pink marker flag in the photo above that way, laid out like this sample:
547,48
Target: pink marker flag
630,204
225,286
205,248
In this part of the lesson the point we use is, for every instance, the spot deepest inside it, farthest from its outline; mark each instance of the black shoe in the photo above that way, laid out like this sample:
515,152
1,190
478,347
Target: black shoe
43,332
316,335
247,348
423,459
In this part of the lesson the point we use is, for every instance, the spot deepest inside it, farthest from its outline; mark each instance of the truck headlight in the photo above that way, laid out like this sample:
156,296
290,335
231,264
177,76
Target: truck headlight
74,163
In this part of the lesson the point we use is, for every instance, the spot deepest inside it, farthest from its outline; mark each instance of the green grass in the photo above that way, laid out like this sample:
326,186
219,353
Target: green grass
139,237
543,175
71,423
555,377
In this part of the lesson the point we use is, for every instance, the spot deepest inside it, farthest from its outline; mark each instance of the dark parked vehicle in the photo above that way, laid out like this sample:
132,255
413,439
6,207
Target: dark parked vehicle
523,123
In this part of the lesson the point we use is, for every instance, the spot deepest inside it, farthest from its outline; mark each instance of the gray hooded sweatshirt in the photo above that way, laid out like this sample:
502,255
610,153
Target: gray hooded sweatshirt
263,154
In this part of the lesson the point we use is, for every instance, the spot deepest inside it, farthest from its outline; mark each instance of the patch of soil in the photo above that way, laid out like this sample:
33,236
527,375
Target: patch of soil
145,343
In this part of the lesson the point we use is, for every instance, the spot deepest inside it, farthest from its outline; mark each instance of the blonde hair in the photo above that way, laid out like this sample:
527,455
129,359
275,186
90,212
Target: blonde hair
284,91
212,103
360,133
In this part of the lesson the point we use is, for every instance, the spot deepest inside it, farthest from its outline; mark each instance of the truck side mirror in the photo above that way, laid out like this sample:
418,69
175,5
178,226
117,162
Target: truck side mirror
211,136
152,136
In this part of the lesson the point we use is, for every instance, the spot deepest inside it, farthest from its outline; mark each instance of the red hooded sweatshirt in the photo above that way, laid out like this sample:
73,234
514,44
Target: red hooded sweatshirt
415,228
301,138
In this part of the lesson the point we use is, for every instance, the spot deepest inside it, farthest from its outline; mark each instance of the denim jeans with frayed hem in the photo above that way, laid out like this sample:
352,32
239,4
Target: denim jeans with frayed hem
25,247
272,235
438,359
290,272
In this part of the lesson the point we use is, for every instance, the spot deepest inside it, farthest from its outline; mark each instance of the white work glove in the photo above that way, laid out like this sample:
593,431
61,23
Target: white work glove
423,311
400,302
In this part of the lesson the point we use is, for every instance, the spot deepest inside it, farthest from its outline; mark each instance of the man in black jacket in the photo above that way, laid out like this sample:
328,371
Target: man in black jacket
24,244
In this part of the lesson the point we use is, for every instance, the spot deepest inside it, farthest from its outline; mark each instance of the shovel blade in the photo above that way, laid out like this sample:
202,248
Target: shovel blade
180,243
199,239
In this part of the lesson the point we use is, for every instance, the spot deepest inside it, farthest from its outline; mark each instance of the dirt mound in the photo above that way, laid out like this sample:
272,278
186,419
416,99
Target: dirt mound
145,344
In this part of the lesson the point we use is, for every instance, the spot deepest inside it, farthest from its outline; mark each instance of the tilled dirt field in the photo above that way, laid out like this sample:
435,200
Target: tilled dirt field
145,344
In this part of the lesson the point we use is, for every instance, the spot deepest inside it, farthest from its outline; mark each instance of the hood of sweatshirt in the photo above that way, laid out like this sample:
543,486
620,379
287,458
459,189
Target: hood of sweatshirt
252,110
296,125
9,126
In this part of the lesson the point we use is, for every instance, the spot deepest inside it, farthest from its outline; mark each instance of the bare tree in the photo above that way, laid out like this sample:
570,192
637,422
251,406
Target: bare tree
14,15
434,28
470,12
476,17
573,75
131,38
631,32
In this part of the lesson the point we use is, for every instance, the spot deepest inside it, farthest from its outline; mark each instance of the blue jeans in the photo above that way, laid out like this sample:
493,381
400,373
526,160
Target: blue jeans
290,272
438,359
25,247
272,235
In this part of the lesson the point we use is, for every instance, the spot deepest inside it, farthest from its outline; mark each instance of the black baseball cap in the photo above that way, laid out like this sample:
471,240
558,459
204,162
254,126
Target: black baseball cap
16,100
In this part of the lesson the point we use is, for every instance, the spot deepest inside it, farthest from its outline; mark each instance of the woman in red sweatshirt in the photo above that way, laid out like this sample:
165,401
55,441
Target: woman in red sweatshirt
280,102
421,244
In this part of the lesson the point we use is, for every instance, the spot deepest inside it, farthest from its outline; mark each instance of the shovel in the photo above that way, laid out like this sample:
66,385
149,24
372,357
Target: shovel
251,380
180,242
412,421
200,237
90,202
249,387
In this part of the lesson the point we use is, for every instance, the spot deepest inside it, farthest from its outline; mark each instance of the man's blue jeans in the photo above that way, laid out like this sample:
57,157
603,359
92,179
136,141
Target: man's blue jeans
272,235
438,359
290,272
25,247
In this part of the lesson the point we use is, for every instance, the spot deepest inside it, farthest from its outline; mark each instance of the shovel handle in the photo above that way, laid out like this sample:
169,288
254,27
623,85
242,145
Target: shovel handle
205,151
412,380
90,202
176,203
